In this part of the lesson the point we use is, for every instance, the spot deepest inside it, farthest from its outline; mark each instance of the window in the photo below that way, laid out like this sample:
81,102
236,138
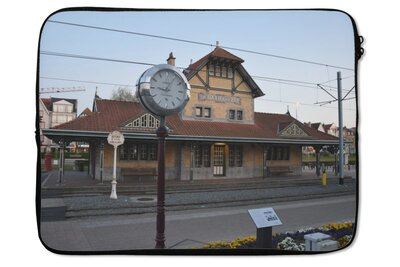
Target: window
223,72
239,115
143,151
197,156
230,72
152,152
207,112
231,114
211,69
206,156
123,153
202,155
231,156
277,153
136,151
133,152
238,156
235,156
199,112
217,70
235,114
202,112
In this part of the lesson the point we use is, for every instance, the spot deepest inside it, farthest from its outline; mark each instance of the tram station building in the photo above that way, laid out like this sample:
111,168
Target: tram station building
217,135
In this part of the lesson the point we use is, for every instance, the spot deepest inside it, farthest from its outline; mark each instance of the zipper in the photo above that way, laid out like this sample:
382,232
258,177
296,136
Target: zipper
359,49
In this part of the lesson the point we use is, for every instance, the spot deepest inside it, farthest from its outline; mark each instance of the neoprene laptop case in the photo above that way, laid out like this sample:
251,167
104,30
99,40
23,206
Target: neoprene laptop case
195,132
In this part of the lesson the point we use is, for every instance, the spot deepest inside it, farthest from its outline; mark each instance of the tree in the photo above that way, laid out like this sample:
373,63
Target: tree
123,94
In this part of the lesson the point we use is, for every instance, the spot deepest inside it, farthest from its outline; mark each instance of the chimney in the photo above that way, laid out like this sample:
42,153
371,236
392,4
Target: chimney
171,59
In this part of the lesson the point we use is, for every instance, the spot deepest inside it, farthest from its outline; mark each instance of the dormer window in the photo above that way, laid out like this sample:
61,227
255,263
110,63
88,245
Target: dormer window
230,72
224,73
217,70
220,70
211,69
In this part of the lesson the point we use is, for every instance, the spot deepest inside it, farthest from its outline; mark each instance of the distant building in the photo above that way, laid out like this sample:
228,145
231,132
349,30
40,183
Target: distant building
53,112
349,134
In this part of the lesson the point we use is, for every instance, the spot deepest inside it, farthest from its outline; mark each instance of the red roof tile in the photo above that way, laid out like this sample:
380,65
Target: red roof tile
112,114
47,103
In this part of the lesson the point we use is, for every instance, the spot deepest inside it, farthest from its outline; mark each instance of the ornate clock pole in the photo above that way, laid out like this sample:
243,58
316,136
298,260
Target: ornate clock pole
163,90
161,132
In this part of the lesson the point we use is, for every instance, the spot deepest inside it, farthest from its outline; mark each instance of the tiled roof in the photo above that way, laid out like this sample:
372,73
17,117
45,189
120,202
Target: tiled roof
112,114
47,103
219,53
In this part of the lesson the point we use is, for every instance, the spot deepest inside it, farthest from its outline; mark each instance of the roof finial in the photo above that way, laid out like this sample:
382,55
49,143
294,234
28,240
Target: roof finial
217,44
287,112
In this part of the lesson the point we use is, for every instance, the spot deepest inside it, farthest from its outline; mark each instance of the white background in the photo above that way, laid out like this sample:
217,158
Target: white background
377,232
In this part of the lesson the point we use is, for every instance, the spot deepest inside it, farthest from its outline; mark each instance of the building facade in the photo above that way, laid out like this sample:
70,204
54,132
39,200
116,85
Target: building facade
217,135
53,112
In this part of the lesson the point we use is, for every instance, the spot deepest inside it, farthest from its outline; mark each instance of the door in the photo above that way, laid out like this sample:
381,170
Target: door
219,160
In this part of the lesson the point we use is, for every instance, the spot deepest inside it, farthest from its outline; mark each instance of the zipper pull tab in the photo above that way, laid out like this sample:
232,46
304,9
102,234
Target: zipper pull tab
359,49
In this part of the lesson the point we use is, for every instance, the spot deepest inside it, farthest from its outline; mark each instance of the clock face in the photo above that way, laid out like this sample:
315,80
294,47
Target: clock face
163,90
167,89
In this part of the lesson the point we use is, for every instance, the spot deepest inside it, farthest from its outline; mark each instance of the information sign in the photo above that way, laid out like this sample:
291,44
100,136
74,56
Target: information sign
115,138
264,217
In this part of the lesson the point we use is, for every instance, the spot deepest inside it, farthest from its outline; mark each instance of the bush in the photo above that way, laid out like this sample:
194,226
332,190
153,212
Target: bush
341,232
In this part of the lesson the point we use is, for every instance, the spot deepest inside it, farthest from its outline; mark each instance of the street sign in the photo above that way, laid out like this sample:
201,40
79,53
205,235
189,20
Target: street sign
264,217
115,138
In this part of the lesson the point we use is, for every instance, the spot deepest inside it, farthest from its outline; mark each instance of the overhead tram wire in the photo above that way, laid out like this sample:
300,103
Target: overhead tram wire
263,78
201,43
82,81
303,104
94,58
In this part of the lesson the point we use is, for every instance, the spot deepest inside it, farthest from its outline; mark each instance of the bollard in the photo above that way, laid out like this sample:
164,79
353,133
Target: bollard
324,178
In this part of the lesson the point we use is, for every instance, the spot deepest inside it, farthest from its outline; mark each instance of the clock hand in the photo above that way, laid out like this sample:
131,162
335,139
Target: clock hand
167,89
163,89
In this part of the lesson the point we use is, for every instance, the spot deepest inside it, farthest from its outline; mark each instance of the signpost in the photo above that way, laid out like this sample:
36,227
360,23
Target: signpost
115,139
264,219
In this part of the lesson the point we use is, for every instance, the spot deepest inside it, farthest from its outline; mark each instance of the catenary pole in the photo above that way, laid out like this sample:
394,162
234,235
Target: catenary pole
339,85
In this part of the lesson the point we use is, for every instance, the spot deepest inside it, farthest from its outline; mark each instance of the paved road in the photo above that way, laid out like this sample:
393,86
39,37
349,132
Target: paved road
189,228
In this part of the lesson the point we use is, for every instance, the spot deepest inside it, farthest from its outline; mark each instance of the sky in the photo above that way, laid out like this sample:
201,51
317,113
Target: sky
324,37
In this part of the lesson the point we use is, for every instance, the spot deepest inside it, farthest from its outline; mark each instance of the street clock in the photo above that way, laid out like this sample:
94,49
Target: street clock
163,90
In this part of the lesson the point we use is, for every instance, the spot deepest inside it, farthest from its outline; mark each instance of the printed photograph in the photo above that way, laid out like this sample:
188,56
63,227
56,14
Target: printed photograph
197,132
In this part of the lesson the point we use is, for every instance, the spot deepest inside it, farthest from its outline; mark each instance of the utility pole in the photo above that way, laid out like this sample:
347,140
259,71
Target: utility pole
339,99
339,85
